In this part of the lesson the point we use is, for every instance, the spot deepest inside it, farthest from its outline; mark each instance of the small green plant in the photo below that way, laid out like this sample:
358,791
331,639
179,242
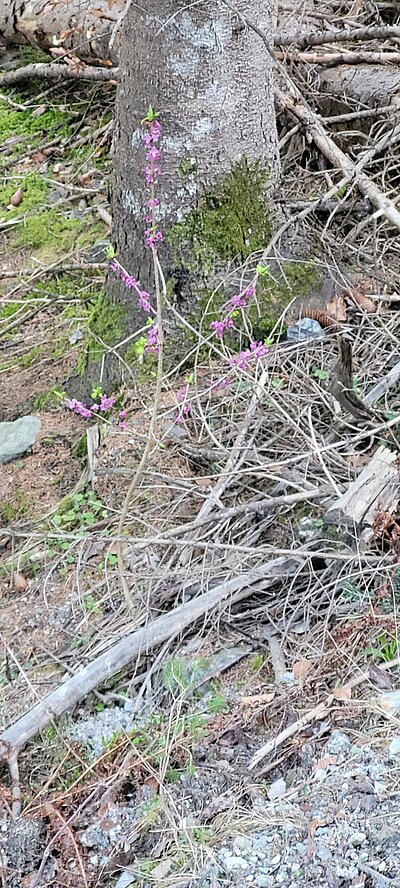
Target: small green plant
79,511
92,606
217,704
256,662
319,373
15,507
386,648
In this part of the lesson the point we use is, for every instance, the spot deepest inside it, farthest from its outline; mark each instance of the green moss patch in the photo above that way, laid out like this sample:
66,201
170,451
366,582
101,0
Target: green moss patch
231,221
106,324
34,193
23,123
48,231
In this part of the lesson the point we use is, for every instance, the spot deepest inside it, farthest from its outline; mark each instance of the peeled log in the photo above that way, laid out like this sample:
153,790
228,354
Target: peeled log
358,86
80,27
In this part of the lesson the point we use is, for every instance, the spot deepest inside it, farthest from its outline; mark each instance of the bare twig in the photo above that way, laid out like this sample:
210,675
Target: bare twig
56,71
342,35
344,57
316,713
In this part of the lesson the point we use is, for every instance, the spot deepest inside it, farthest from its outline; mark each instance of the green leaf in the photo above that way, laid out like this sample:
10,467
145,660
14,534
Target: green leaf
320,374
262,270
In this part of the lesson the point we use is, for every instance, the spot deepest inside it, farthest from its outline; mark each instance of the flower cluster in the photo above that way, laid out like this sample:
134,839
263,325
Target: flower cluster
152,339
153,236
131,283
242,360
184,410
239,300
105,405
153,155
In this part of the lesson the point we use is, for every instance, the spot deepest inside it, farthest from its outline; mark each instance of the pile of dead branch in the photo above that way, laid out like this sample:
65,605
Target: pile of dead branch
293,474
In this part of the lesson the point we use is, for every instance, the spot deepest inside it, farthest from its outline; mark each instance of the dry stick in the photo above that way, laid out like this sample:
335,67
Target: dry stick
383,385
139,642
56,71
158,276
317,38
341,58
318,712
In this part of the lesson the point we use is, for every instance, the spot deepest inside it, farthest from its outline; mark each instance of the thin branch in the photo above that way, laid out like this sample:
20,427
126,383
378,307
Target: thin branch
55,71
317,38
341,58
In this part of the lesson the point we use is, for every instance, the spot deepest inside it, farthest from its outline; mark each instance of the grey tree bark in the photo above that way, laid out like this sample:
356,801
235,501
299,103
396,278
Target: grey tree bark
211,80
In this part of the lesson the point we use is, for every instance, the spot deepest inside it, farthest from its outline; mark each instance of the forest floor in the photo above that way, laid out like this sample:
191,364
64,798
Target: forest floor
156,777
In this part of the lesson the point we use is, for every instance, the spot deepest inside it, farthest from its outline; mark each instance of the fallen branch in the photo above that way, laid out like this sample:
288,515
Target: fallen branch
55,71
383,385
317,38
130,648
345,57
293,101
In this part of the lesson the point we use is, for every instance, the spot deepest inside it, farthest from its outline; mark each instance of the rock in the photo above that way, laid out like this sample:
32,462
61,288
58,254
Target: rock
17,437
264,881
98,252
232,862
357,838
306,328
337,744
394,748
277,789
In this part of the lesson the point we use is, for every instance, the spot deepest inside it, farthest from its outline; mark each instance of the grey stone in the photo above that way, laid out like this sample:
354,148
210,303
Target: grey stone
264,881
305,329
277,789
357,838
232,862
337,744
98,252
17,437
394,748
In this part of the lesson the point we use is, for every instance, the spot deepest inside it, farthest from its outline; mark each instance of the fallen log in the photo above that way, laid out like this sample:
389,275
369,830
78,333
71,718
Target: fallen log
375,490
82,27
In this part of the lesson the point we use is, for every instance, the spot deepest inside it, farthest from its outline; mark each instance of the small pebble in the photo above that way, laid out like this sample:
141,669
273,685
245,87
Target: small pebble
277,789
357,838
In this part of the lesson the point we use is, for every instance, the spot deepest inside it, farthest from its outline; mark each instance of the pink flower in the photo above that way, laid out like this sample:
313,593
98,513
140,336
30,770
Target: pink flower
152,344
219,327
155,130
144,301
153,153
122,414
106,403
238,301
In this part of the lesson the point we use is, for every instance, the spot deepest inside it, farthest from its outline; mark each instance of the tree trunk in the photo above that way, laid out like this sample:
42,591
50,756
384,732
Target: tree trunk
211,81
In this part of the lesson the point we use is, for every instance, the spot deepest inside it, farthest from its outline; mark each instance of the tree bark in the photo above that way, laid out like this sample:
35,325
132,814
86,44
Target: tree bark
211,80
83,27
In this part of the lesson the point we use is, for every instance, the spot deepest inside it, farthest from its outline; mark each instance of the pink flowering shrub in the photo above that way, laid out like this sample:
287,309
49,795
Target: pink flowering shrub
95,409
